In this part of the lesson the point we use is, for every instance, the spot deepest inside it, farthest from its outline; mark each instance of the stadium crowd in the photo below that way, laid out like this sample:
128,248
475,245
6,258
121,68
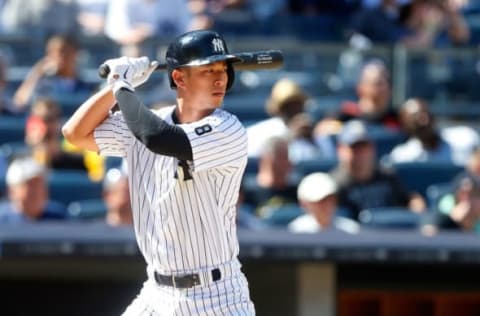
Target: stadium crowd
363,161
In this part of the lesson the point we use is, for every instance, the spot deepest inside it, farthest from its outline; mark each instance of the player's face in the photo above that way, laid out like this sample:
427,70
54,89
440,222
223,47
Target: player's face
207,84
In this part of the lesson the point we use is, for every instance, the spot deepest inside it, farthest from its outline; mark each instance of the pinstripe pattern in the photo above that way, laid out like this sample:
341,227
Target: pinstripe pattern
184,226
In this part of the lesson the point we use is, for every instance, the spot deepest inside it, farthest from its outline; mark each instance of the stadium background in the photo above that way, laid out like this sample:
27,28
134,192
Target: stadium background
76,269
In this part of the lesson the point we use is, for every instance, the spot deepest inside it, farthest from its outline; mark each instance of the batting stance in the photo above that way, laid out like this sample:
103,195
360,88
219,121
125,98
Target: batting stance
185,163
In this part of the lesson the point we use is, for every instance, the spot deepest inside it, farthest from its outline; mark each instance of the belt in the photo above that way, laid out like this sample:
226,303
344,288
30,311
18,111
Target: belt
184,281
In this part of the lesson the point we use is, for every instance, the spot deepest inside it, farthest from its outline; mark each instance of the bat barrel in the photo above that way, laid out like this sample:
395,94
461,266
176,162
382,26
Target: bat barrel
257,60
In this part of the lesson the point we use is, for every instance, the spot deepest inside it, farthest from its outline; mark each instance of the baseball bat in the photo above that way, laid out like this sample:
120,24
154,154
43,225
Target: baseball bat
256,60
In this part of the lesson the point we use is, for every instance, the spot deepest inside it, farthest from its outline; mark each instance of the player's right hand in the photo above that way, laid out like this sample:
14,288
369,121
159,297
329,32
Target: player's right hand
129,72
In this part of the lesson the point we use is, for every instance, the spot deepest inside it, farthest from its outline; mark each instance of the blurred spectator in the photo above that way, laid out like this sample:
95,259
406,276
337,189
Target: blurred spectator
317,194
6,104
458,210
132,22
28,196
215,6
314,7
273,185
42,135
91,16
379,23
429,143
373,105
116,196
55,75
432,23
362,183
416,24
39,17
286,105
458,207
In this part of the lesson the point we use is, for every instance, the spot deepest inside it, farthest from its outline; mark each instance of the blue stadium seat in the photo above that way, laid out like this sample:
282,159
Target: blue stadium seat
282,216
306,167
69,103
303,167
12,129
418,176
67,186
389,217
385,140
252,166
87,209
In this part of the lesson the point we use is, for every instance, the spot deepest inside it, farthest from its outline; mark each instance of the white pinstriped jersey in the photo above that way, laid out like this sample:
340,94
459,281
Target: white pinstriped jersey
182,224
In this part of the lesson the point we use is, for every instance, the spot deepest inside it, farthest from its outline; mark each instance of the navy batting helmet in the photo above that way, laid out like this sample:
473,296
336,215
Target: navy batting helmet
198,48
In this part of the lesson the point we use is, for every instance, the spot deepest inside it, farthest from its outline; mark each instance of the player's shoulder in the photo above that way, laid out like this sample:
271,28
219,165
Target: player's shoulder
223,115
221,120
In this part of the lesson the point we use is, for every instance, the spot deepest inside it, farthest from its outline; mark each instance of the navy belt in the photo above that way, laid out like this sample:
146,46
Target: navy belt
184,281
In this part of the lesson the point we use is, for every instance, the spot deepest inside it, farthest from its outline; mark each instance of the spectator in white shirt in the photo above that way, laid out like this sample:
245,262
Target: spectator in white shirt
317,194
429,143
286,105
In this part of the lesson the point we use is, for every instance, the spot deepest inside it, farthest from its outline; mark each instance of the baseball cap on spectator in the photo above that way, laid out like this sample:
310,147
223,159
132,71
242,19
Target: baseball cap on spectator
354,131
23,169
284,91
315,187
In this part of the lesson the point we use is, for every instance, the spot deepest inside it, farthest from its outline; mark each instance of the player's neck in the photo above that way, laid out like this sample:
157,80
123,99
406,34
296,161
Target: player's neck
186,113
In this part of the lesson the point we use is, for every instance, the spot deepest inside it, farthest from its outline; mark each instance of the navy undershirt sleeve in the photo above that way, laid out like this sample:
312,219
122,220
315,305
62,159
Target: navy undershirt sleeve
156,134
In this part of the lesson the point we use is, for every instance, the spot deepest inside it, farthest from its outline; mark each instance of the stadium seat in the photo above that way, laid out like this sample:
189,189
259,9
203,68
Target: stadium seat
385,140
12,129
67,186
252,166
282,216
418,176
389,217
306,167
87,209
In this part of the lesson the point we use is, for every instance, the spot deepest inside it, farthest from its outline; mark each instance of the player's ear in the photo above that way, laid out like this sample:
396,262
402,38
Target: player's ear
179,78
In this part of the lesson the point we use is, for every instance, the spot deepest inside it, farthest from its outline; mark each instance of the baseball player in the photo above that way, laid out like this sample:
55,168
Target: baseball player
185,164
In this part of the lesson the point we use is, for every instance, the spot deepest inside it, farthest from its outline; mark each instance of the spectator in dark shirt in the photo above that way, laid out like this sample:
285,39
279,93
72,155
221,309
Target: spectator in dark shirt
373,105
362,183
28,196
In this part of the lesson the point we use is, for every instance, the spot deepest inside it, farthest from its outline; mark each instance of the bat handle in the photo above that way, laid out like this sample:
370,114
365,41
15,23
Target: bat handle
103,71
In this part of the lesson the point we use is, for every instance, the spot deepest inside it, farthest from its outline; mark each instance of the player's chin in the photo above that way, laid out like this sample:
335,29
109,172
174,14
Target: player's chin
217,99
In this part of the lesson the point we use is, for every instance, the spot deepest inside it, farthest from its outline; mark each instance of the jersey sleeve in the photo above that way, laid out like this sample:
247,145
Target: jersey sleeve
113,137
217,141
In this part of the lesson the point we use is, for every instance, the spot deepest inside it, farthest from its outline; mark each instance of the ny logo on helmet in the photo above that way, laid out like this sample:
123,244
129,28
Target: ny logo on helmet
218,45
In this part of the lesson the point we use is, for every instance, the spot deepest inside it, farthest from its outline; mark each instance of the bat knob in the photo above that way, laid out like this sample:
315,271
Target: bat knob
103,71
